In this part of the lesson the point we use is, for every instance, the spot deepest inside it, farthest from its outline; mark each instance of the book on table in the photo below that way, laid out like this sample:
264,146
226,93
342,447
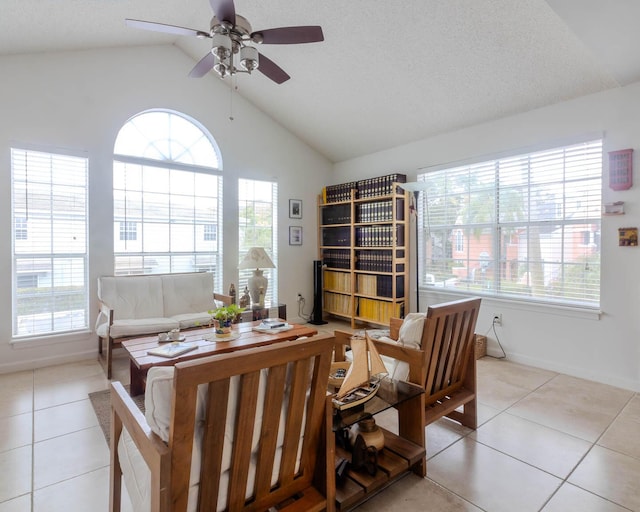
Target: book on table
172,349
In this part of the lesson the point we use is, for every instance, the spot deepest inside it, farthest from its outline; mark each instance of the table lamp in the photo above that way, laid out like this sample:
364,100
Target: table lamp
257,258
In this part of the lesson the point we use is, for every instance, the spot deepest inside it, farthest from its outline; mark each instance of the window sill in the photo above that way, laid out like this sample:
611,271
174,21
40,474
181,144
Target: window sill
587,313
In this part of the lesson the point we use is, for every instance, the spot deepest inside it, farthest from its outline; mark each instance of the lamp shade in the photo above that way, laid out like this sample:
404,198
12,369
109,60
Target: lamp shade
256,258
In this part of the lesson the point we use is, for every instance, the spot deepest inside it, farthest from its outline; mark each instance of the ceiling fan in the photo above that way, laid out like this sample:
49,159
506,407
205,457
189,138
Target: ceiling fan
232,38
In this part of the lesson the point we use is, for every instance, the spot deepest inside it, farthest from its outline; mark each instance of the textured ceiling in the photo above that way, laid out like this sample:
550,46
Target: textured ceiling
389,71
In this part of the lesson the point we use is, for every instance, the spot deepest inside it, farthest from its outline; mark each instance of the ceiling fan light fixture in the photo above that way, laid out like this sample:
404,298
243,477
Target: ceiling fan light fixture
249,58
221,46
231,35
222,69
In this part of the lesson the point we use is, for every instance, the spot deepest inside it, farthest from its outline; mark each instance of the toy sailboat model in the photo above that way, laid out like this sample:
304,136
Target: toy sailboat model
363,377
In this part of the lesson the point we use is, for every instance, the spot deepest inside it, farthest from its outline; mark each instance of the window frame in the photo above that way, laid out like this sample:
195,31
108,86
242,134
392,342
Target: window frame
61,207
494,226
170,212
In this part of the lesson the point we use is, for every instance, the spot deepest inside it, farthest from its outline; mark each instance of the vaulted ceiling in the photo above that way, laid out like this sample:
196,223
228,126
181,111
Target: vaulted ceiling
389,71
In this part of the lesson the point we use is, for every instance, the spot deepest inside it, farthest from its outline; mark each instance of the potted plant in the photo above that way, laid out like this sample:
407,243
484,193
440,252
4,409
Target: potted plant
224,316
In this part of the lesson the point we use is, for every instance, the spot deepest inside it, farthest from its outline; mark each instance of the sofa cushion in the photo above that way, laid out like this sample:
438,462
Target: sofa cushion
411,337
189,320
187,293
411,330
132,296
137,327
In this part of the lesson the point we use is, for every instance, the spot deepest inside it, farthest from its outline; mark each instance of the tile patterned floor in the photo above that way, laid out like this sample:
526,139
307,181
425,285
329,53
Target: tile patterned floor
546,442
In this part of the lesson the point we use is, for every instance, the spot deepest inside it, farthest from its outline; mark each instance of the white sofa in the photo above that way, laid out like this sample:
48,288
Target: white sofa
149,304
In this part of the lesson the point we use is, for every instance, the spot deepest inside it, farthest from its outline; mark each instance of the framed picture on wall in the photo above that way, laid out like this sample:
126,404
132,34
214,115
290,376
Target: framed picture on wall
295,235
295,208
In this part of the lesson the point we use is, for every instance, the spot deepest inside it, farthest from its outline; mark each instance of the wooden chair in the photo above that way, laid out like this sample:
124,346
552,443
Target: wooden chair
445,364
281,393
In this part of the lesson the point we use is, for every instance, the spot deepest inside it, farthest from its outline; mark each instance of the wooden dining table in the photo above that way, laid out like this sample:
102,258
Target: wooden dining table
243,336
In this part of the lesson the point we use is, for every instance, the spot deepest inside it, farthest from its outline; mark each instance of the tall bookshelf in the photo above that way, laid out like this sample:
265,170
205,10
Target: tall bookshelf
363,241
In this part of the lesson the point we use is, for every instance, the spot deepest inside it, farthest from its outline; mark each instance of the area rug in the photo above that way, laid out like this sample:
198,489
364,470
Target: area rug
101,402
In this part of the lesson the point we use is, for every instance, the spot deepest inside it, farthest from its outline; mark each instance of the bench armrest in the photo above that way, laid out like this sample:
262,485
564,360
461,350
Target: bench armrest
128,415
225,299
409,355
105,315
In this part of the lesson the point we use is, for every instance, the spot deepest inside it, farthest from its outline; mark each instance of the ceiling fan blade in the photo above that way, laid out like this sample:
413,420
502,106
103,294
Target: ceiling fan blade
204,65
271,70
168,29
290,35
224,10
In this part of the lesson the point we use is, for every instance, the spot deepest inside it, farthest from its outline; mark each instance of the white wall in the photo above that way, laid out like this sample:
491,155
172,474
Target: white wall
601,347
79,100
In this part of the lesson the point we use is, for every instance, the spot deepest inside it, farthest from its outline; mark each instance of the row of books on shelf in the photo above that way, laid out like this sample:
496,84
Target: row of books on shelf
337,303
338,236
378,310
379,211
379,236
370,309
337,193
368,261
371,187
338,281
336,258
376,261
379,286
337,214
380,186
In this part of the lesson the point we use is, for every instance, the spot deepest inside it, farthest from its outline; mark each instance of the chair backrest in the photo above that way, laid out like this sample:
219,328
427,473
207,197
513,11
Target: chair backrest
266,430
448,338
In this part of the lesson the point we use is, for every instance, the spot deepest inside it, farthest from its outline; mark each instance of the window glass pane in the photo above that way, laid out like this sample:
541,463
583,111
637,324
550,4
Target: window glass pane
167,136
160,210
257,223
524,226
49,200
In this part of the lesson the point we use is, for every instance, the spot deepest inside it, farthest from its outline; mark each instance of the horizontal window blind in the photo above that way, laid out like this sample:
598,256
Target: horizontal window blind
526,226
49,205
258,227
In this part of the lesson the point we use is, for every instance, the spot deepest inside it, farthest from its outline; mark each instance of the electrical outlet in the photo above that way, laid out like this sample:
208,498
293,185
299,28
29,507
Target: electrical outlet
300,298
497,319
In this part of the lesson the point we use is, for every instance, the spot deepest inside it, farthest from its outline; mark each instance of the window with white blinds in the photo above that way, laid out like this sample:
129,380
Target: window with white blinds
167,191
49,209
258,227
525,227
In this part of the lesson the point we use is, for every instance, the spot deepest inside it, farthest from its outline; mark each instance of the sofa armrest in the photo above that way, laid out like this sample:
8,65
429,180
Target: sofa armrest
105,315
225,299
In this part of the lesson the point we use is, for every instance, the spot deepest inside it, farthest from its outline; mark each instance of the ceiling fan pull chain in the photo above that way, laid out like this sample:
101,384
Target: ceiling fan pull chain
232,87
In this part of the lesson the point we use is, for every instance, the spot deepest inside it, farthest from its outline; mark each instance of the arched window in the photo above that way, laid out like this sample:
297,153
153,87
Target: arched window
167,192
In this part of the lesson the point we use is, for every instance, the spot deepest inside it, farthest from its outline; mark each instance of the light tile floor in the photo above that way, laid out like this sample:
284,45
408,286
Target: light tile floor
546,442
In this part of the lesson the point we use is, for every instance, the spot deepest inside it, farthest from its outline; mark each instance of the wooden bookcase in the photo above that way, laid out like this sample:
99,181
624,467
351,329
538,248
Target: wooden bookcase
363,241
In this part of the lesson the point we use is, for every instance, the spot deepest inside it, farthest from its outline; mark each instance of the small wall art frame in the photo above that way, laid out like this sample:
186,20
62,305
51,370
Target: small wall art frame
295,208
295,235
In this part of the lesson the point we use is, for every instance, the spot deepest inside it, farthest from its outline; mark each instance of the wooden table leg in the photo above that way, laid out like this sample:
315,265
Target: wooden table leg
411,427
137,378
